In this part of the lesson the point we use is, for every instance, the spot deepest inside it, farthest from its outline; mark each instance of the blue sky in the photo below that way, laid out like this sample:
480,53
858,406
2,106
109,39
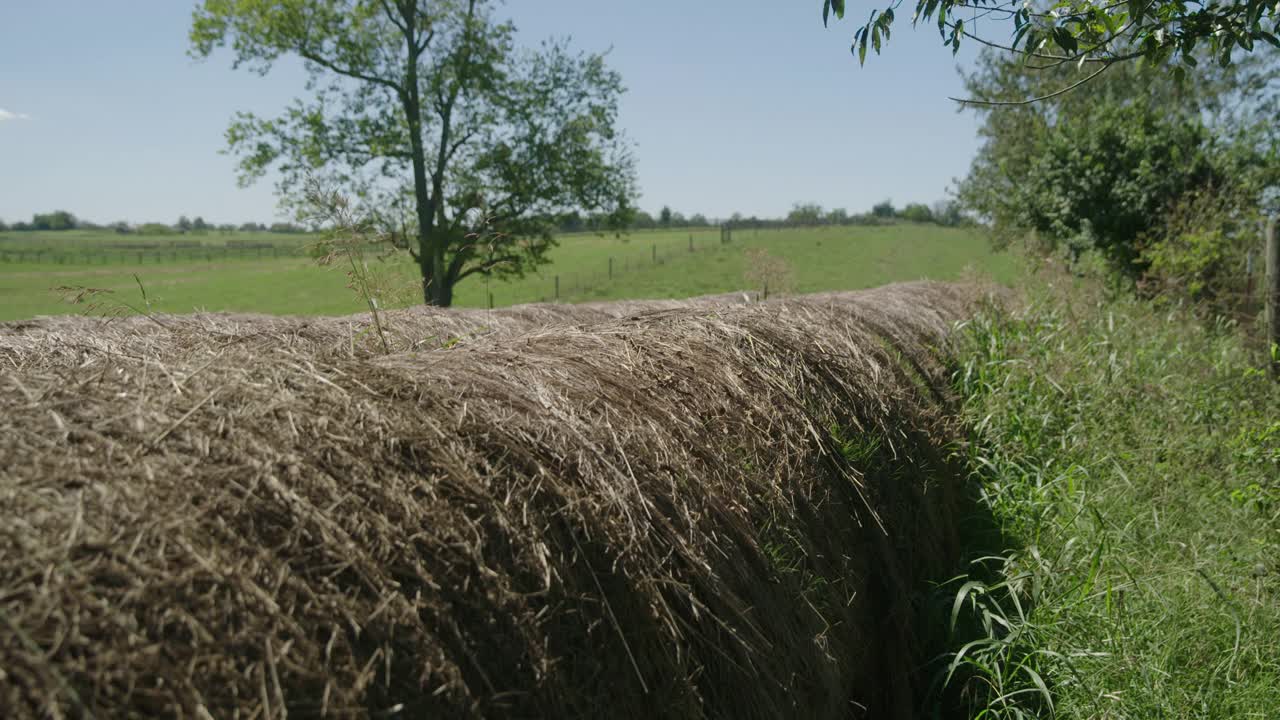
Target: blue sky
746,106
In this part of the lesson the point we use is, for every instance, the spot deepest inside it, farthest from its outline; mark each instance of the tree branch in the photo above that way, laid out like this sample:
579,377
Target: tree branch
1063,91
309,54
1057,59
391,15
488,265
453,149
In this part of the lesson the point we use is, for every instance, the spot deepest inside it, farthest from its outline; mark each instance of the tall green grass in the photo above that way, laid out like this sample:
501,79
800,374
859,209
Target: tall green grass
1130,457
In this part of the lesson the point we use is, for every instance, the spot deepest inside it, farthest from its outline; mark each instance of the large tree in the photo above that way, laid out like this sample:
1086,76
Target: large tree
431,101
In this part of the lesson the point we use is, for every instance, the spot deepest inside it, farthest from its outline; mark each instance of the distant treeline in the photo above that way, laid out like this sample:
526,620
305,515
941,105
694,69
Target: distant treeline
943,212
60,220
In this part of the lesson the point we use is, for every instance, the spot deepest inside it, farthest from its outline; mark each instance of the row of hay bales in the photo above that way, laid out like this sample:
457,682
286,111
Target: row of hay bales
686,510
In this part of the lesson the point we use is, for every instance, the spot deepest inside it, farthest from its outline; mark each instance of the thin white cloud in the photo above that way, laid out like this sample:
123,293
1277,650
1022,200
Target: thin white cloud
6,115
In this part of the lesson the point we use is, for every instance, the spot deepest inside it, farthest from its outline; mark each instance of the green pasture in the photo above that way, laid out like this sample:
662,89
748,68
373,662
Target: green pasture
105,242
644,265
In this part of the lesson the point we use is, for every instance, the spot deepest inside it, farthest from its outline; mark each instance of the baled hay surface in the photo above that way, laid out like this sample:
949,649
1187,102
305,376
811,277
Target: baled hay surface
696,512
70,339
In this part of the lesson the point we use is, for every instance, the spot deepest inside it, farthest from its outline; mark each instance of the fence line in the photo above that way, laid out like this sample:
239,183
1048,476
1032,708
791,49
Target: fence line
626,260
158,255
565,286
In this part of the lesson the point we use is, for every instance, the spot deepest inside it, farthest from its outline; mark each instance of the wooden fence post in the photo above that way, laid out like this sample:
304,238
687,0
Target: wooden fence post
557,287
1273,296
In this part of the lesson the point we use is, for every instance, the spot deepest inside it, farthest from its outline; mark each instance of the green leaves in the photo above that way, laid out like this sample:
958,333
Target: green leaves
878,27
1137,8
1065,40
829,6
1085,30
403,90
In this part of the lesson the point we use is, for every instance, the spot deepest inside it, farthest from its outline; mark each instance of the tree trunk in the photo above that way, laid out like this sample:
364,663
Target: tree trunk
441,287
1272,254
424,267
424,202
442,293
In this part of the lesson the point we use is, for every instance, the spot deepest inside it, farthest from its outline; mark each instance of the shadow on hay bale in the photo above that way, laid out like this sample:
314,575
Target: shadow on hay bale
699,511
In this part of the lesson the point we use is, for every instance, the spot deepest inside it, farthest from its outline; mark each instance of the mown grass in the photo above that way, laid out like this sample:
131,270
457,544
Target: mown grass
819,258
1130,456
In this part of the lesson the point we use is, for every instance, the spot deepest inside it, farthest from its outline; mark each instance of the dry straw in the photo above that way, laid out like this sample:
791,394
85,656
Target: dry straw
676,510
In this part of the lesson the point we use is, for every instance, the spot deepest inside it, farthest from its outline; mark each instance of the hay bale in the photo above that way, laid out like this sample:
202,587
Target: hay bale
698,511
71,339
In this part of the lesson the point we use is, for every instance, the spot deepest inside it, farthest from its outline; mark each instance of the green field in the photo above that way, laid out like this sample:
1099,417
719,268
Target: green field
277,277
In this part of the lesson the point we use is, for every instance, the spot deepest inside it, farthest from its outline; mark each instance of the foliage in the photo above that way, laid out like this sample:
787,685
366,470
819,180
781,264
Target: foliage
916,212
1129,455
55,221
1101,181
154,229
431,107
806,214
1085,36
1201,248
1102,169
884,209
949,213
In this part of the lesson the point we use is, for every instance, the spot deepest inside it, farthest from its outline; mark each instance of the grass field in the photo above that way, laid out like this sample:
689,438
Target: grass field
109,245
186,279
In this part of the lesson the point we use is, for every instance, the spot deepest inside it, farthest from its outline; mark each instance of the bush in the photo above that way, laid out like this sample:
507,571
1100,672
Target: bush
1104,180
55,221
916,212
154,229
1199,251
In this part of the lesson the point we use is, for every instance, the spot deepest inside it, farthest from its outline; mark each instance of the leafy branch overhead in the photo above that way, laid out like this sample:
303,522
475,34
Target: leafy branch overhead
1085,32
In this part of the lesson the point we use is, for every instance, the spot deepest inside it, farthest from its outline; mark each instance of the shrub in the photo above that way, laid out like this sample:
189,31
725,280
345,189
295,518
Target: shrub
916,212
1199,251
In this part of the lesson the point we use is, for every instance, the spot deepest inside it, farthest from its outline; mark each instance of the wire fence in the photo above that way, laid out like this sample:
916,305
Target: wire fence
638,255
153,255
638,252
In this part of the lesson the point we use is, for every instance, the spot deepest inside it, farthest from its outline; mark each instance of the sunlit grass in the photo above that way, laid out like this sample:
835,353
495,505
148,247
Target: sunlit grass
820,259
1131,457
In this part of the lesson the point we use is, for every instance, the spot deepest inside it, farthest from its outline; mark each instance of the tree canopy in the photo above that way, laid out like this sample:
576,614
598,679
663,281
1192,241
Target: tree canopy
1085,35
56,220
1144,168
428,113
